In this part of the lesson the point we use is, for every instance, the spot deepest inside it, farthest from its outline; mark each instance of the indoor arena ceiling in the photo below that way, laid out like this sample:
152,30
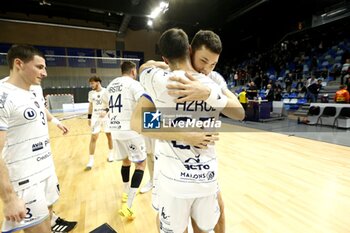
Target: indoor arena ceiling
239,19
214,14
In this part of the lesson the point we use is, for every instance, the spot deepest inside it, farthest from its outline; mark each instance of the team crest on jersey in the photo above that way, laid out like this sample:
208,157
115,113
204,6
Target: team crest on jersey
29,114
3,98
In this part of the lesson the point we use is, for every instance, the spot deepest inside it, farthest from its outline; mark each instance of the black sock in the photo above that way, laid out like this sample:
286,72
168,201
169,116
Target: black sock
136,178
125,173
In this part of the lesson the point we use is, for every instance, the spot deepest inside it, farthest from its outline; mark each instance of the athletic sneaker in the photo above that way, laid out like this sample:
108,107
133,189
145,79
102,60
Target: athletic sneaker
90,164
124,197
63,226
126,212
147,187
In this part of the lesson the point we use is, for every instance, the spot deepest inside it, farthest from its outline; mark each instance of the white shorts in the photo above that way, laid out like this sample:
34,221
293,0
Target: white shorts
174,213
98,123
150,145
134,149
37,198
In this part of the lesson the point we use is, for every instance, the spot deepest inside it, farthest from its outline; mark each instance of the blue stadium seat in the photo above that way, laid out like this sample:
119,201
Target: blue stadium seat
292,95
285,96
302,101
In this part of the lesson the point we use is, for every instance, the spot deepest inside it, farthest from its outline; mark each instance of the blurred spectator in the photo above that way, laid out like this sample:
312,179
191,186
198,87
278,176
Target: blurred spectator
242,96
288,81
299,85
347,81
235,79
265,80
311,87
252,92
319,87
278,94
342,95
345,70
269,93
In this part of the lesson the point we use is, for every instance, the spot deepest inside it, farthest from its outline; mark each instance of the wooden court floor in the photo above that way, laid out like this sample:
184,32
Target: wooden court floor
271,183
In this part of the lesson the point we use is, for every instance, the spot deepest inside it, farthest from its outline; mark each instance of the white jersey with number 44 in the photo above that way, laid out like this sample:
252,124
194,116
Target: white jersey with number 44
121,97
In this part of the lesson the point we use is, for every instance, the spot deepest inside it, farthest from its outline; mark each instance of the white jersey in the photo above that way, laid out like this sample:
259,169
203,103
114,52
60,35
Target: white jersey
95,97
121,97
189,172
218,79
26,152
36,89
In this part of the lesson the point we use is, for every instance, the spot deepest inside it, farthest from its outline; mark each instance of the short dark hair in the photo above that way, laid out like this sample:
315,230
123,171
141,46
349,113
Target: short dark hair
174,44
207,38
127,66
24,52
95,79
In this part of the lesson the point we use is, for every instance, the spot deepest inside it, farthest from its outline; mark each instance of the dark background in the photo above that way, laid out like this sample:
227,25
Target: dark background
243,25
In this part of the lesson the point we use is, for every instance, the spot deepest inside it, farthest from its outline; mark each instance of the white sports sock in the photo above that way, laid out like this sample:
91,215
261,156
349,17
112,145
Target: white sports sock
126,187
91,162
110,156
54,217
131,196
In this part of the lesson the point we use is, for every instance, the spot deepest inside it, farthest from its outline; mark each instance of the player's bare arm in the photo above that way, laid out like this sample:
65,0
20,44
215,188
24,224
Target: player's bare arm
191,89
58,123
198,139
233,109
89,113
14,207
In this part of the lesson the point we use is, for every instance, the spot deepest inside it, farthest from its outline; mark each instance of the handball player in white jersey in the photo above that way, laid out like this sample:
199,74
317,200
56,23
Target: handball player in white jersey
58,224
97,119
205,51
38,91
121,97
28,183
187,174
